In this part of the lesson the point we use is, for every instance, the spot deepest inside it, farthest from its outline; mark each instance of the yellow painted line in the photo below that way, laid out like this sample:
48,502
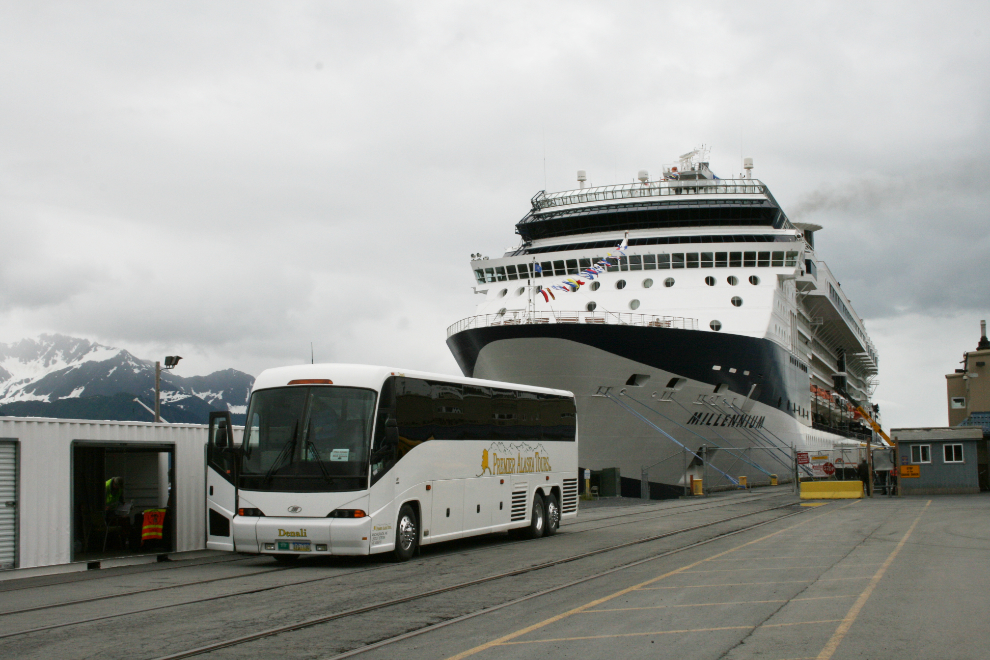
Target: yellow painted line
817,556
731,602
563,615
742,584
782,568
665,632
813,503
854,611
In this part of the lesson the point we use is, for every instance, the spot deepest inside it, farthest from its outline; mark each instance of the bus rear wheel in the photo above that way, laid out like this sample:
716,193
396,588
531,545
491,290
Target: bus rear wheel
538,520
553,515
406,534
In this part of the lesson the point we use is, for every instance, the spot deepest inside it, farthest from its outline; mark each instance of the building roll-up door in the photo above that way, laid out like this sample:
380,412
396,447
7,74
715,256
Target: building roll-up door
8,504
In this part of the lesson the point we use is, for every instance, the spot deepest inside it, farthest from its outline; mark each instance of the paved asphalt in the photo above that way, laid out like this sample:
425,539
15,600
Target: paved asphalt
882,578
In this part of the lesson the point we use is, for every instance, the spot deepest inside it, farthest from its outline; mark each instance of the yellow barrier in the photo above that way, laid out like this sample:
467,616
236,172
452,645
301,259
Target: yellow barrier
696,487
773,480
831,490
742,481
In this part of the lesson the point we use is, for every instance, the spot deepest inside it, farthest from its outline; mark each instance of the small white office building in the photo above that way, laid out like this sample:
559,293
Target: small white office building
53,475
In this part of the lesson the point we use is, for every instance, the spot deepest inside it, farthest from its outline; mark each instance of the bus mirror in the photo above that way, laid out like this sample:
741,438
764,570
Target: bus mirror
221,430
390,423
391,436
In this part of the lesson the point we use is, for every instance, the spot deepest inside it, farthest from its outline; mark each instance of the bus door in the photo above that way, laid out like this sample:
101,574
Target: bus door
221,492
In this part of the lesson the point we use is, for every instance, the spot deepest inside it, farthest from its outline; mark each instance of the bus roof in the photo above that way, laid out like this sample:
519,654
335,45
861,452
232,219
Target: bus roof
372,377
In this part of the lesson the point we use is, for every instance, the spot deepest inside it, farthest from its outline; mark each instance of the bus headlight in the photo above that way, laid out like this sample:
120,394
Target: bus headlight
347,513
250,513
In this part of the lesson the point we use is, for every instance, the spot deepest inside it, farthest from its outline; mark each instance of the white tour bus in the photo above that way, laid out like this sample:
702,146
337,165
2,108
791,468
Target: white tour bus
342,459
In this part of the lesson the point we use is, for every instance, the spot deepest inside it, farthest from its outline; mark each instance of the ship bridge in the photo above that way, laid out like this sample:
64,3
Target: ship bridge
652,205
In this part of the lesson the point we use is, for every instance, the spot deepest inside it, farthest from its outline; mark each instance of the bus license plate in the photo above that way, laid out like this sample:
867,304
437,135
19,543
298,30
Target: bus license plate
293,546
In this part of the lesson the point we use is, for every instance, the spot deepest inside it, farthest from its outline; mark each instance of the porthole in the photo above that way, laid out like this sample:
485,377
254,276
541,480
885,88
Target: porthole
633,304
669,282
647,283
501,294
732,280
754,280
621,284
737,301
595,285
521,290
591,306
710,281
501,312
715,325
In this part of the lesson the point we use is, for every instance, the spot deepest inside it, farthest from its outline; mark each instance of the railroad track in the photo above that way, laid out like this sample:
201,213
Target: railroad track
640,516
308,623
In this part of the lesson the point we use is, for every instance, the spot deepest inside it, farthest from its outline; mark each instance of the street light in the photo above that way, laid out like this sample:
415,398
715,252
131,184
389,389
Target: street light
170,362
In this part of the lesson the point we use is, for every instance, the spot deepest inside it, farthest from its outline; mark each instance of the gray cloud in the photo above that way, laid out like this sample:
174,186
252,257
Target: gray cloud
236,179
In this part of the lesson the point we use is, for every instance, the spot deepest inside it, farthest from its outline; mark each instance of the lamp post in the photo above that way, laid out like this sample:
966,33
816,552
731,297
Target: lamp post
170,362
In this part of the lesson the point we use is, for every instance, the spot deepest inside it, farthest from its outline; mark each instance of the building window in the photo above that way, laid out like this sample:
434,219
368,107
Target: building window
953,453
958,402
921,453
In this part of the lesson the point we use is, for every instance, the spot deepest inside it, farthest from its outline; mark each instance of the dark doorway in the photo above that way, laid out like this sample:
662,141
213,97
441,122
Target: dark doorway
139,518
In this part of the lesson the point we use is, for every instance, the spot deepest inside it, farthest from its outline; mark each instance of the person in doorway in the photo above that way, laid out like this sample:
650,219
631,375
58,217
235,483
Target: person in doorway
114,498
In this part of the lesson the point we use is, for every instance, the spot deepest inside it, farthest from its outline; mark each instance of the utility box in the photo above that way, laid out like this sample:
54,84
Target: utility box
608,480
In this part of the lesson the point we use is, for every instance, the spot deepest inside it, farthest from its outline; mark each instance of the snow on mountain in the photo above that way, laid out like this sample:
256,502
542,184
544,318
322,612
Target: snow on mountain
56,367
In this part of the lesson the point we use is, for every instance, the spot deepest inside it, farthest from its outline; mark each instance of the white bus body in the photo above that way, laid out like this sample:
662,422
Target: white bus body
337,458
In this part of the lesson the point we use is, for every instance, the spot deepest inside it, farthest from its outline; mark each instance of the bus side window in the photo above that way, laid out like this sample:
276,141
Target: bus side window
384,443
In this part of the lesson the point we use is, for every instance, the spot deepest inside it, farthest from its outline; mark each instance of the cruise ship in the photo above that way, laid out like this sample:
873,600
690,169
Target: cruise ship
715,345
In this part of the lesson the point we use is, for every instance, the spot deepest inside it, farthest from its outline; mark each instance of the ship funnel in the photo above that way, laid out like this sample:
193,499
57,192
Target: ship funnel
984,342
643,176
582,177
748,166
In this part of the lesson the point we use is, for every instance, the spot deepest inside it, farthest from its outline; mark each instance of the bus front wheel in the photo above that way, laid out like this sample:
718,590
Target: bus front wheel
538,520
406,534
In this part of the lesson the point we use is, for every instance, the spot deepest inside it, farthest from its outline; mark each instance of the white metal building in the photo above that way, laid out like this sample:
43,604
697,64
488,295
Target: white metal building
52,474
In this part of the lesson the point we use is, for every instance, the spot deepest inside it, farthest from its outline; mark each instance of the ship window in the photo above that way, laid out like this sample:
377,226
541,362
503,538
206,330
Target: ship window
623,263
710,281
591,306
749,259
558,268
572,267
764,259
621,284
692,259
647,283
635,262
718,388
521,290
480,276
675,383
735,260
489,274
633,304
677,260
584,263
501,294
737,301
721,259
791,259
754,280
500,273
501,312
595,285
649,262
523,271
732,280
663,261
715,325
778,258
511,271
669,282
547,267
706,259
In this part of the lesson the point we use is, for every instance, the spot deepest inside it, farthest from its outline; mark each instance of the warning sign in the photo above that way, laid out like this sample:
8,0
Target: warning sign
910,471
818,463
802,458
828,469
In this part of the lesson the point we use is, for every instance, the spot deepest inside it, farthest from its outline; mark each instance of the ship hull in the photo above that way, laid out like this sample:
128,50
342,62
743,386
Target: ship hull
657,398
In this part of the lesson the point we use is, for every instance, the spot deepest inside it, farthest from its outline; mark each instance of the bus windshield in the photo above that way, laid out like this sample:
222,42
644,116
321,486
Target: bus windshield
307,439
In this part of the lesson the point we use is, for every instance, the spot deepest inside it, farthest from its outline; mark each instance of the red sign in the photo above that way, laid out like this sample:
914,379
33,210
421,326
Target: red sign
802,458
828,469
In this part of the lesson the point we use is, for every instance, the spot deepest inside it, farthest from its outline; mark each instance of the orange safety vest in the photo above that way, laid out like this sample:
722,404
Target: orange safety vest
151,529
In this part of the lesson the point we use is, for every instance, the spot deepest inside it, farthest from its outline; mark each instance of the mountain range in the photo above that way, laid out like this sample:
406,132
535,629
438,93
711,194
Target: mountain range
72,378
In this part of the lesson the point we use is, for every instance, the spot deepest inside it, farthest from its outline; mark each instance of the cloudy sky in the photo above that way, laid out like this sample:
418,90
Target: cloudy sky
234,180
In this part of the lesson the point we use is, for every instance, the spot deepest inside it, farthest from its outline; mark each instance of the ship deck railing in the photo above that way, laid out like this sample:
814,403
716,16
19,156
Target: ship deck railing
543,200
581,317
